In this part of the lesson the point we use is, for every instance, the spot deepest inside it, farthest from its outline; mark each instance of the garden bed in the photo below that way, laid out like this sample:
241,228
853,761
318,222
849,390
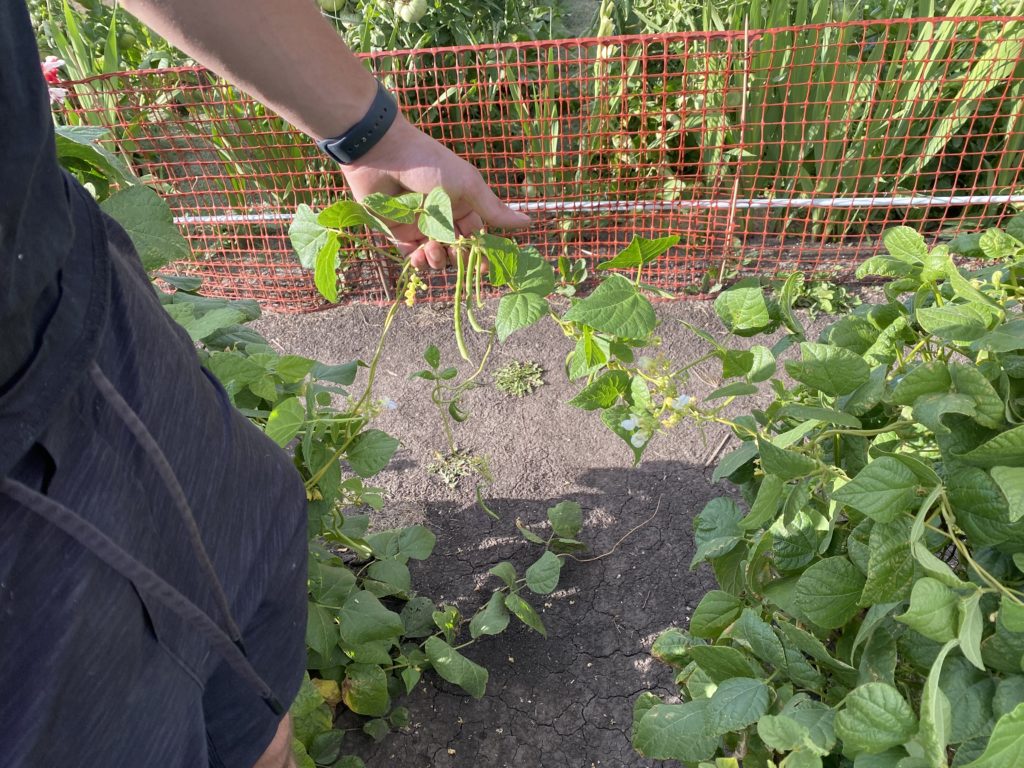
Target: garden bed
565,700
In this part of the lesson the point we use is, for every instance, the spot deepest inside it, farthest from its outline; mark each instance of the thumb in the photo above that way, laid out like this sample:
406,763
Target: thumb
492,210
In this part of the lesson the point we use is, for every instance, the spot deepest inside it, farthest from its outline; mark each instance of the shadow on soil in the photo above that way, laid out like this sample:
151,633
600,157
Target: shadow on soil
565,700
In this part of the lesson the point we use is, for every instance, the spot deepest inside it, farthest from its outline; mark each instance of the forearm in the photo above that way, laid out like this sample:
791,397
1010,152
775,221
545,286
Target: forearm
281,52
284,53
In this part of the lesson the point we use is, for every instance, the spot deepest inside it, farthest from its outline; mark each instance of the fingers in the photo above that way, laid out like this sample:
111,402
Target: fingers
469,224
430,255
491,210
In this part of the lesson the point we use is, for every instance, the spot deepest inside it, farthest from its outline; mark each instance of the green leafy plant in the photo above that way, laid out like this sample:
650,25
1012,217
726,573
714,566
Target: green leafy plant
819,295
145,216
95,38
826,296
370,635
763,115
365,654
455,464
446,392
519,379
870,585
373,25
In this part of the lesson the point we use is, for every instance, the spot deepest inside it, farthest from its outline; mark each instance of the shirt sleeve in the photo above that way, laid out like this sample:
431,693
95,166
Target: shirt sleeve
35,219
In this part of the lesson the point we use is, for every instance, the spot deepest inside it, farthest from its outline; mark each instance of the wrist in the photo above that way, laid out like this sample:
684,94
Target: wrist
391,148
361,137
335,115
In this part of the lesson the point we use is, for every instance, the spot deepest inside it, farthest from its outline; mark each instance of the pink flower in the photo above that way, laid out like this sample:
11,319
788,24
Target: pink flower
57,94
50,67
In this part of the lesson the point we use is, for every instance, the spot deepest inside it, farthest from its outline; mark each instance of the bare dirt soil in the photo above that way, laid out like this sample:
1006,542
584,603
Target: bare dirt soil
565,700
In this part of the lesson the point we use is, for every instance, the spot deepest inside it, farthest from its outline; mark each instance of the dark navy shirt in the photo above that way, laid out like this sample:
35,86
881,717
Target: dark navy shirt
54,265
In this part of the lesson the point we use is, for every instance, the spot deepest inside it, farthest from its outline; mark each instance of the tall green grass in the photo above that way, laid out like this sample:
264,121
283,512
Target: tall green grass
872,110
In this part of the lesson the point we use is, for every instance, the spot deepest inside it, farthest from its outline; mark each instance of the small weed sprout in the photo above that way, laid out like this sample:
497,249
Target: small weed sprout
452,468
825,296
519,379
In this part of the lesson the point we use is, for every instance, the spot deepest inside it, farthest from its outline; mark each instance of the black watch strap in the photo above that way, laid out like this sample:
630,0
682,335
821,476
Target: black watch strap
361,137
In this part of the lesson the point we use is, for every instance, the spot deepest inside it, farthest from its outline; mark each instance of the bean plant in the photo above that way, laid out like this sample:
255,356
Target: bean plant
635,394
370,635
870,601
870,609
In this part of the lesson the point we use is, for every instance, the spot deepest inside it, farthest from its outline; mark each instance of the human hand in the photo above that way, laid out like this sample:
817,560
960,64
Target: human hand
407,160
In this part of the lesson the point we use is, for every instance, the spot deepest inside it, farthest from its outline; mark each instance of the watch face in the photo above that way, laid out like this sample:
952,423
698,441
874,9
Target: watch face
359,139
333,148
340,154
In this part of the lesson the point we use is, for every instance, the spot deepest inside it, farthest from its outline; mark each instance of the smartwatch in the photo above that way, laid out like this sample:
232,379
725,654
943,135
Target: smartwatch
361,137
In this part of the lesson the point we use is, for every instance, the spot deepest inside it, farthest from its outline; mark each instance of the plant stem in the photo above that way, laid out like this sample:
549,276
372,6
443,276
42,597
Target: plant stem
696,362
371,376
483,362
861,432
479,276
948,516
438,400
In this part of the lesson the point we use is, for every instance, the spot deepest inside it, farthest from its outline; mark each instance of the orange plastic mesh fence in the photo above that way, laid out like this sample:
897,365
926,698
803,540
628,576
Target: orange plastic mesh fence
767,150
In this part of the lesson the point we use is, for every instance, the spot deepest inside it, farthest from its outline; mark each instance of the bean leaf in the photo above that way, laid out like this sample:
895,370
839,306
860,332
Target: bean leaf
875,718
882,490
492,620
518,310
370,452
456,668
1006,744
676,732
363,619
715,612
832,370
829,591
566,519
542,576
743,308
285,421
525,612
437,221
365,690
603,392
615,307
933,610
736,704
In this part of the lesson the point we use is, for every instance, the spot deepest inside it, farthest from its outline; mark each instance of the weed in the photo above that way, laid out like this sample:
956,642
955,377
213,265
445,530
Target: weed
453,467
519,379
820,295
